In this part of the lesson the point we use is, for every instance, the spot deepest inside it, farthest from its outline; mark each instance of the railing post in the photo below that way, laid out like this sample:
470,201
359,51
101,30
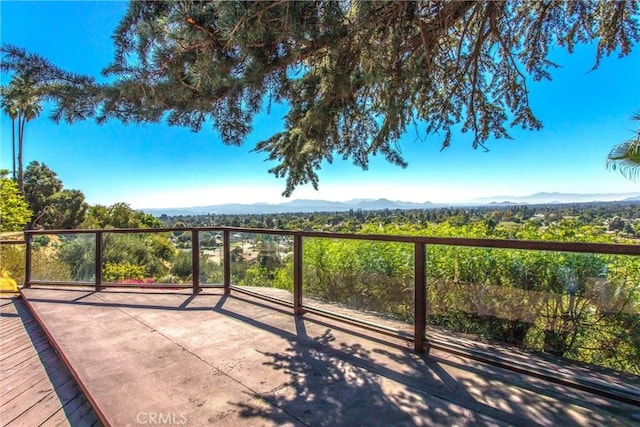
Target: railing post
195,261
297,274
98,273
226,247
420,298
27,260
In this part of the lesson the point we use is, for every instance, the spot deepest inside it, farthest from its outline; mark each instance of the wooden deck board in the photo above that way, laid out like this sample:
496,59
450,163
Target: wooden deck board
29,374
10,342
14,337
83,415
62,417
18,369
23,351
48,405
24,337
25,390
35,386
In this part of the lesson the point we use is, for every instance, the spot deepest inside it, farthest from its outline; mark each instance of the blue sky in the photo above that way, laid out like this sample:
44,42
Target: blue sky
584,115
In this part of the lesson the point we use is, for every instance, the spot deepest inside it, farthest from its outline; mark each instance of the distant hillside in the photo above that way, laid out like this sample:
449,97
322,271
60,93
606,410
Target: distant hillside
307,205
294,206
551,198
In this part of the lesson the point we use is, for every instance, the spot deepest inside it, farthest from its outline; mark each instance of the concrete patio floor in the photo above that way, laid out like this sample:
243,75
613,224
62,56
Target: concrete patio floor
157,358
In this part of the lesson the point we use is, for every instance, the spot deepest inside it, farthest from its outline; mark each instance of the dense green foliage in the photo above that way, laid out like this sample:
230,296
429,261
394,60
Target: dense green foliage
580,306
118,215
584,307
53,206
129,256
125,256
121,271
354,74
14,210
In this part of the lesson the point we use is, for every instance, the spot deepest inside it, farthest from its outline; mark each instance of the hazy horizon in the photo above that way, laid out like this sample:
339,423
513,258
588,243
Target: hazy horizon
321,205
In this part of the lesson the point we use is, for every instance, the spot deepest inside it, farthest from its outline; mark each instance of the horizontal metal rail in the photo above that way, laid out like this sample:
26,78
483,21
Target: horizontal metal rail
537,245
12,242
244,290
61,283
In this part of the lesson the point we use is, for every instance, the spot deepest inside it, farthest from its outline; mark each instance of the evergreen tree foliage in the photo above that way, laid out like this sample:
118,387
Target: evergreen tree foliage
354,74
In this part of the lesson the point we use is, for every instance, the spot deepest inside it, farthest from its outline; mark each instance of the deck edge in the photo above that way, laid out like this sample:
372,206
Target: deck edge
58,349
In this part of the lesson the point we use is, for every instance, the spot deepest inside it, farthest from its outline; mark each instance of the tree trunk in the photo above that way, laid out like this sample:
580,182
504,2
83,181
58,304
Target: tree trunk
13,147
21,122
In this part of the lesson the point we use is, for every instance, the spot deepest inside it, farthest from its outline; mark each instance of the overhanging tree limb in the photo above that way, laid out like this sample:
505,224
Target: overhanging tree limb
354,74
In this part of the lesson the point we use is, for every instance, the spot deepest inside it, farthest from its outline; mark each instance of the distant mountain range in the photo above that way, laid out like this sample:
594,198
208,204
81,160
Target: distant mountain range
306,205
552,198
294,206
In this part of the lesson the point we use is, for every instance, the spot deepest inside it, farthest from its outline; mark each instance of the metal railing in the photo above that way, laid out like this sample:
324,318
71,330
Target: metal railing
419,249
12,242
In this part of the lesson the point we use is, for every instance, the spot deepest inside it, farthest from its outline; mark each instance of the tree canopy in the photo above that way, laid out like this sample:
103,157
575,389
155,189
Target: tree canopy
118,215
354,74
14,210
21,102
53,206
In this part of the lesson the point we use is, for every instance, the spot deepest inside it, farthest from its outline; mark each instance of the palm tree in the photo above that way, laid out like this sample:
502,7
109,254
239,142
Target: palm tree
9,107
625,157
29,108
23,103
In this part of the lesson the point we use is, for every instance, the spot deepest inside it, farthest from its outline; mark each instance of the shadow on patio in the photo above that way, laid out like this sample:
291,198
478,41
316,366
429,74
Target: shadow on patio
216,359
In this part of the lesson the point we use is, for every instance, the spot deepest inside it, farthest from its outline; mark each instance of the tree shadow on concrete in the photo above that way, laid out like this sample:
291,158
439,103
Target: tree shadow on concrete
519,399
341,375
336,384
